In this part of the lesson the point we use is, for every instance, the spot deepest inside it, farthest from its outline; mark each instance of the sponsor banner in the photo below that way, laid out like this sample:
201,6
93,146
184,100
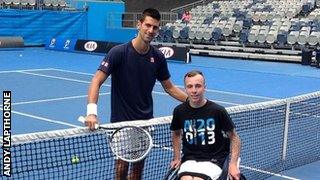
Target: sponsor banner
170,52
175,53
94,46
62,44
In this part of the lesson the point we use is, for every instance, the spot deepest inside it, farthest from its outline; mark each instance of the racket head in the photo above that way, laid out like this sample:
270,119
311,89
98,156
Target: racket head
130,143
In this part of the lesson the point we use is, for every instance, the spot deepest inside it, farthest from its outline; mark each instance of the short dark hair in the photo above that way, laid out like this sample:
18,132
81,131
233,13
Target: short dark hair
193,73
152,13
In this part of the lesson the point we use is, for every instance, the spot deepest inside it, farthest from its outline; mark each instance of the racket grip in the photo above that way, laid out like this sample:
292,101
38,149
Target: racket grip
82,119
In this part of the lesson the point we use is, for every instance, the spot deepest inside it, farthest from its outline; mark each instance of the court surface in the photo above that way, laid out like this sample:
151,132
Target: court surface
49,88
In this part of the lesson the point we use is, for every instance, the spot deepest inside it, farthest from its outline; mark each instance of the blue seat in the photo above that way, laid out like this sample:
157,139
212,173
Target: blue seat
295,27
241,16
184,32
247,23
243,36
216,6
216,34
306,8
282,38
208,20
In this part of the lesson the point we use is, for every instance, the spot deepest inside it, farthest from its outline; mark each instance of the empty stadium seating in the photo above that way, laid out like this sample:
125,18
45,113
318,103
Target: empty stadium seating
271,23
34,4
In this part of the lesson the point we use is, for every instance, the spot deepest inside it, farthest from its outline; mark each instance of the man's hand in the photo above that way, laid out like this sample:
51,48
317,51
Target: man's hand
91,121
175,163
234,172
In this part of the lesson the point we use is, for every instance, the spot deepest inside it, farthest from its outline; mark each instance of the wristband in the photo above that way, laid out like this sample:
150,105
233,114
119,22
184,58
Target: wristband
92,109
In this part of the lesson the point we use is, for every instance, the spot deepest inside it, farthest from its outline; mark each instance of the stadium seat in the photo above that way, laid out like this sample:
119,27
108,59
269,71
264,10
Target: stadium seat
293,37
24,3
161,34
271,36
216,34
47,3
313,39
192,33
200,33
55,3
16,3
253,34
263,32
243,37
184,32
237,27
282,37
303,35
247,23
227,30
32,3
305,8
208,34
256,16
263,16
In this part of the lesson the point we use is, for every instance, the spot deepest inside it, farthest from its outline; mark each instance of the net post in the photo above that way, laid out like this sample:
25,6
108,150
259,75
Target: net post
285,133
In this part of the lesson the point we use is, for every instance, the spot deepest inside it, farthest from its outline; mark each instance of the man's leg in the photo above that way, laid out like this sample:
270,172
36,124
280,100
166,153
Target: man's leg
121,170
136,171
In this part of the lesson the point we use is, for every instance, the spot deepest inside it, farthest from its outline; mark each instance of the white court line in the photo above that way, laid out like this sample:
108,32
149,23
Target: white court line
88,82
25,70
270,173
209,90
44,119
61,78
55,99
75,72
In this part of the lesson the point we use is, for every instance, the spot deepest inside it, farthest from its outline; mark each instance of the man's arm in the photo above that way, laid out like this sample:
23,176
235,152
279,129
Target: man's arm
176,143
174,91
235,153
93,95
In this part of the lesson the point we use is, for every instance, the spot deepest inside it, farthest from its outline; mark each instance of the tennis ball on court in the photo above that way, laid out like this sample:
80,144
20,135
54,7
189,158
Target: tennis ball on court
20,55
75,160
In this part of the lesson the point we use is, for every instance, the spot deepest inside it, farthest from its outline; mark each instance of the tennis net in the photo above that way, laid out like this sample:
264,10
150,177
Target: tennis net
276,136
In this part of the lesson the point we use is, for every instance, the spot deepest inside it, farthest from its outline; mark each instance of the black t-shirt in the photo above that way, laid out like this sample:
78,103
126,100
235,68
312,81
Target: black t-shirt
204,131
133,78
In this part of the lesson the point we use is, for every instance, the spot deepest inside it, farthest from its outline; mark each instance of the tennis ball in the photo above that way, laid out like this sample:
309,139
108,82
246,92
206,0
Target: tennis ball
20,55
75,160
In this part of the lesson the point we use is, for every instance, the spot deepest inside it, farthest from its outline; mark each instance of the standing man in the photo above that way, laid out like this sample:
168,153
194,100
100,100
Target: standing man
135,67
207,133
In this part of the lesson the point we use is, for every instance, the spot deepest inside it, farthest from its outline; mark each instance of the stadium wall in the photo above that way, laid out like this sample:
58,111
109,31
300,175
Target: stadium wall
99,13
36,26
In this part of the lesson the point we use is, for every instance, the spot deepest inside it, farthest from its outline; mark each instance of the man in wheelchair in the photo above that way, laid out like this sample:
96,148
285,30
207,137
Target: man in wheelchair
208,136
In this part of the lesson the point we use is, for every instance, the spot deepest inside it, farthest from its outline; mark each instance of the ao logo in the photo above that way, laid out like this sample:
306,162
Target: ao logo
52,43
167,52
90,46
67,44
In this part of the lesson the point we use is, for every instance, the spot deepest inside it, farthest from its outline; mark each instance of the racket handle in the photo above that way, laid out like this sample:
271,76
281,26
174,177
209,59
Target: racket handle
82,119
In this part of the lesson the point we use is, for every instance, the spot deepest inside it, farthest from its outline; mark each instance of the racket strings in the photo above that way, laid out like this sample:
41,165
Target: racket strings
130,143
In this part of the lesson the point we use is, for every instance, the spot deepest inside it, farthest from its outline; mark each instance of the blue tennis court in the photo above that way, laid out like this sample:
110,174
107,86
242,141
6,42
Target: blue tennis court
49,89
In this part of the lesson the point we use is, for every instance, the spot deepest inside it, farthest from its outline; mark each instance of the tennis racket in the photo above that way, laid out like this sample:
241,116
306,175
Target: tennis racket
128,143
